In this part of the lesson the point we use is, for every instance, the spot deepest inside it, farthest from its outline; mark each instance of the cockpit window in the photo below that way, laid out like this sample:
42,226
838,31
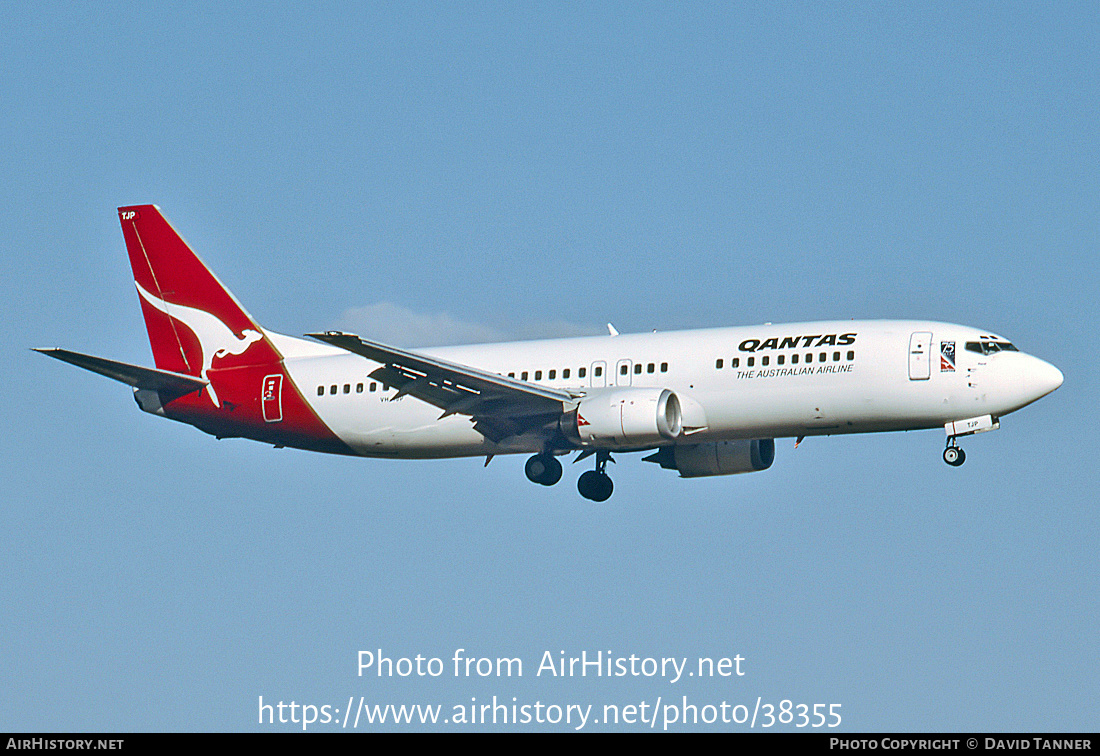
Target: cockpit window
989,347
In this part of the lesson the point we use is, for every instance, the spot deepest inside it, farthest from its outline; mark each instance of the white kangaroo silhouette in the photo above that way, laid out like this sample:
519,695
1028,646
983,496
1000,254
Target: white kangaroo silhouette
215,337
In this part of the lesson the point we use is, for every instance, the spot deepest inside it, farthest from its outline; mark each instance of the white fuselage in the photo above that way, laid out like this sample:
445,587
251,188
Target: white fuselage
752,382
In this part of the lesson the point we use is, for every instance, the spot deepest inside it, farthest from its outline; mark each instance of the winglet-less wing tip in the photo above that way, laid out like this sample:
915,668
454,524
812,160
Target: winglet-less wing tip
326,335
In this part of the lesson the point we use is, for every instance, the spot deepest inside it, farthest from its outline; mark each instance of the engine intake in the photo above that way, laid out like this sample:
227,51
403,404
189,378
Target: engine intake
624,418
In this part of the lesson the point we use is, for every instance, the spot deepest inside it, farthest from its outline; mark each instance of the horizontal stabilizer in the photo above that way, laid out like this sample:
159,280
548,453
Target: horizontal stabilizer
163,381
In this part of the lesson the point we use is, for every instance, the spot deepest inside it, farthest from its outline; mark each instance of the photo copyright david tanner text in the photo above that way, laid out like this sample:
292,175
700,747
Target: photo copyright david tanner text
665,710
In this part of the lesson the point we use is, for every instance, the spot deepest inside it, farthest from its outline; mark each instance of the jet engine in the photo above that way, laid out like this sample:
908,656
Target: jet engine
624,418
716,458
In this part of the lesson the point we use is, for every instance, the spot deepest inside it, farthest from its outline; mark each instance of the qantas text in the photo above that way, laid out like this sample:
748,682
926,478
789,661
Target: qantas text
792,342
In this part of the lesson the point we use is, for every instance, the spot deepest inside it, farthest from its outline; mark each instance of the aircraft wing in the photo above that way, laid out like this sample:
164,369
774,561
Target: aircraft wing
163,381
500,406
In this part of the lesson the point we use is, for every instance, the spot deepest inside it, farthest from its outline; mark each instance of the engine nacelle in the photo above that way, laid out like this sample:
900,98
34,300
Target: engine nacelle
716,458
624,418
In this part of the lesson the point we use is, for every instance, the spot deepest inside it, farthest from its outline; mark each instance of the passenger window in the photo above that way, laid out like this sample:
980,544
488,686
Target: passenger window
523,376
650,367
664,367
735,362
538,375
565,374
552,374
320,391
836,356
750,361
718,363
780,359
764,361
638,369
809,358
373,385
794,359
511,375
347,388
821,357
332,389
851,355
581,372
359,388
622,370
598,372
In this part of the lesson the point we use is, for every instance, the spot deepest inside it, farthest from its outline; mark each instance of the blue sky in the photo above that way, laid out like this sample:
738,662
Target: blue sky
517,170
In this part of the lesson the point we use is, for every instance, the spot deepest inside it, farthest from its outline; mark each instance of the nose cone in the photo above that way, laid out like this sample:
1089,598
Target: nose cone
1015,380
1043,377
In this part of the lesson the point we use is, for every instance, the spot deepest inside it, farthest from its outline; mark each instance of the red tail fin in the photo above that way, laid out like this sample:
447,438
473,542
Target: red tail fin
197,327
191,317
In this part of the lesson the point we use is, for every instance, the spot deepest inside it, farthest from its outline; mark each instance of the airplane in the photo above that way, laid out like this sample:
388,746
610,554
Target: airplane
702,402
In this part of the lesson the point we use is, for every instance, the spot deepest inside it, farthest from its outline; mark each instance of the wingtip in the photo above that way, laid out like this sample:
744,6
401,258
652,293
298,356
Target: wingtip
329,335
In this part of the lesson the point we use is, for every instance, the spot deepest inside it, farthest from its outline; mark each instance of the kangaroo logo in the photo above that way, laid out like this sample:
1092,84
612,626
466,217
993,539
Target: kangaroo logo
216,339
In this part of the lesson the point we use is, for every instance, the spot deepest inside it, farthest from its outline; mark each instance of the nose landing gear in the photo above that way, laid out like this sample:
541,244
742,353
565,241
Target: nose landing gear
953,455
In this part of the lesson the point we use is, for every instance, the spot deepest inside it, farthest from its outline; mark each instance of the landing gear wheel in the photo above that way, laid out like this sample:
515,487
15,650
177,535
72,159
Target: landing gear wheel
543,469
596,486
954,456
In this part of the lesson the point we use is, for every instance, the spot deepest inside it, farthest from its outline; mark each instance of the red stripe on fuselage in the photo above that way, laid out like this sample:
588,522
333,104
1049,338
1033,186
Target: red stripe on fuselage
240,391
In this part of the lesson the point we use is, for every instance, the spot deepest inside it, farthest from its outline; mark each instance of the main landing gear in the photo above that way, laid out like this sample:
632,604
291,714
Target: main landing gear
543,469
953,455
596,484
